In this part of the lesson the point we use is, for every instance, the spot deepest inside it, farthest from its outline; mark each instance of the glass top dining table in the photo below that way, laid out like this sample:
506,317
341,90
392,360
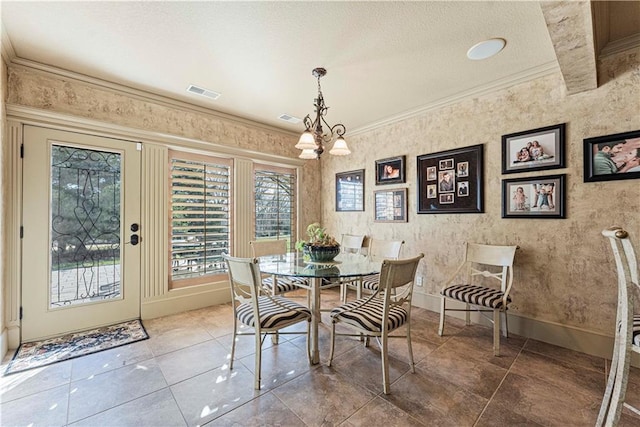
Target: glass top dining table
294,264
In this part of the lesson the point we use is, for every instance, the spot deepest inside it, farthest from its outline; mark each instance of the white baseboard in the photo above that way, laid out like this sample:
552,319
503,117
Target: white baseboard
4,343
182,300
9,339
570,337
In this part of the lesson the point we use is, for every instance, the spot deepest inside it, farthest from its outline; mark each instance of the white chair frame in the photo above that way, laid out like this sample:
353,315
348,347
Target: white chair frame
484,255
245,284
394,275
627,271
352,243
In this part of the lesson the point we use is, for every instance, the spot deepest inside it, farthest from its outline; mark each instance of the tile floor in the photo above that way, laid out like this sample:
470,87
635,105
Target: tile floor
180,377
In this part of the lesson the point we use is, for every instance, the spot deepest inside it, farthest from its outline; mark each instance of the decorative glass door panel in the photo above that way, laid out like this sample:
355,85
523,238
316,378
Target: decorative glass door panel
85,225
81,213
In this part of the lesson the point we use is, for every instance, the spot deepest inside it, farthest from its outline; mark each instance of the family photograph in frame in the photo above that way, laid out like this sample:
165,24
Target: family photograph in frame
390,205
612,157
534,197
537,149
390,171
451,181
350,191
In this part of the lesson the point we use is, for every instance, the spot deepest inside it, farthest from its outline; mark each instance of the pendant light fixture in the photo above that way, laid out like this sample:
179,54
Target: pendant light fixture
314,137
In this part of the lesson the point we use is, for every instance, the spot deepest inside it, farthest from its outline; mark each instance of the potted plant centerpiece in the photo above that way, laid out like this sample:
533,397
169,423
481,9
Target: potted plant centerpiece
321,246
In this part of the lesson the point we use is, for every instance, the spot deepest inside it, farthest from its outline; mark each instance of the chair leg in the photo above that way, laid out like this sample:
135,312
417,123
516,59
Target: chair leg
385,364
413,365
333,342
233,341
258,360
605,407
505,331
614,395
496,332
442,310
309,341
275,338
467,315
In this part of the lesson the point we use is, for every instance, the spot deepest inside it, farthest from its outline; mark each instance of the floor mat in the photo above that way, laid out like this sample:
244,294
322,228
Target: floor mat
36,354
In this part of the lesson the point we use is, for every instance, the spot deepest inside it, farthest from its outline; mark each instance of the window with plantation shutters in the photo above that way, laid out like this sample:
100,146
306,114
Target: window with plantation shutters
200,217
275,203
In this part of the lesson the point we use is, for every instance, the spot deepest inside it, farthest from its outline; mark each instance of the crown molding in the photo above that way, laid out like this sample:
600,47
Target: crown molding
509,81
6,47
54,120
145,95
525,76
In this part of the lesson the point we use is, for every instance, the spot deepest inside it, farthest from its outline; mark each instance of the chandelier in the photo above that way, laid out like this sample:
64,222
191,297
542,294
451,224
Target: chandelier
314,137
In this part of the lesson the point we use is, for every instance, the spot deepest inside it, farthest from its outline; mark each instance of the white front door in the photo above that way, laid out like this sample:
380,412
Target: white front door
81,219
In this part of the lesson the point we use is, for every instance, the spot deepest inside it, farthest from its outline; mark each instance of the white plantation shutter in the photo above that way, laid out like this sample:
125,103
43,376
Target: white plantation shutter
275,203
200,223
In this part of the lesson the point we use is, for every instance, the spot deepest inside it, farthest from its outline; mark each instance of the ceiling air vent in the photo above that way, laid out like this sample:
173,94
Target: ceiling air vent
203,92
289,118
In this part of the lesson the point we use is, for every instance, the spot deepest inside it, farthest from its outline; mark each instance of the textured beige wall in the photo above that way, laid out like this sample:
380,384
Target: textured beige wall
564,268
42,90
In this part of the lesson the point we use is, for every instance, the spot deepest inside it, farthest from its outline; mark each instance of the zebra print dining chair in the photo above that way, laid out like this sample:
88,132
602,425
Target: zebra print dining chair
272,284
378,250
266,314
474,290
627,328
381,313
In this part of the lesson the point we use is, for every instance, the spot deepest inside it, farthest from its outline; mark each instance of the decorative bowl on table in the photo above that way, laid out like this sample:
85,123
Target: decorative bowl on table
321,253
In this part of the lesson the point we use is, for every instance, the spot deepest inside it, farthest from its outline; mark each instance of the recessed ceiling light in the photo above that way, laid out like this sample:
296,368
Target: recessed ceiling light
203,92
486,49
289,118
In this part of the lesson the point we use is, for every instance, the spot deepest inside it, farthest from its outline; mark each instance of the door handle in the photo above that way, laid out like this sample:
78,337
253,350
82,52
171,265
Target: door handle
135,239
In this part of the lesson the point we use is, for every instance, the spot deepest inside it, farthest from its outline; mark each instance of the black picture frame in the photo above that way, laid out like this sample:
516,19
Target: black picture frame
600,163
390,205
451,181
390,170
534,150
350,191
548,194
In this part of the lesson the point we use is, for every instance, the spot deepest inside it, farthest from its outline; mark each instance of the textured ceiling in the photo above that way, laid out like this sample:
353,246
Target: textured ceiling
384,59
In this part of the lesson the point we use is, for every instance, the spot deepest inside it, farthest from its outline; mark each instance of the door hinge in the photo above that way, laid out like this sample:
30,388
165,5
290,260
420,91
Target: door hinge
21,231
20,312
22,151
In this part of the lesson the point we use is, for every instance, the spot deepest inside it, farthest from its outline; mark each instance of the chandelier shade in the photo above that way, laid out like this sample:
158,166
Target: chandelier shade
306,142
340,148
308,154
314,137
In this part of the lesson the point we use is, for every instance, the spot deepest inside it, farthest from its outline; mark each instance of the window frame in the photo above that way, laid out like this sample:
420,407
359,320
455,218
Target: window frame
262,167
208,159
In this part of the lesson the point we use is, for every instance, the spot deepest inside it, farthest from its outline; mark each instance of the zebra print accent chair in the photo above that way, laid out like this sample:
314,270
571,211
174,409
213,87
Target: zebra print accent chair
482,297
266,314
272,284
626,328
386,310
